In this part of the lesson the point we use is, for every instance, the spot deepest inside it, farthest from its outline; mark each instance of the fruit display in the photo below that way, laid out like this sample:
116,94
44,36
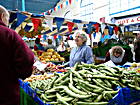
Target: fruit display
50,55
85,84
36,71
54,68
32,78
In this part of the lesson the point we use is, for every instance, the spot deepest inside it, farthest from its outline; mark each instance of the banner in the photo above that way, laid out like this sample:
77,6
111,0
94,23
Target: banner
61,5
122,28
20,19
59,22
102,27
70,1
116,30
96,27
80,26
27,28
70,26
36,23
49,22
13,16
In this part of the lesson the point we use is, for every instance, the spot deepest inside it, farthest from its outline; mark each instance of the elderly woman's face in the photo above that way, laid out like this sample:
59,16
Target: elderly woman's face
79,39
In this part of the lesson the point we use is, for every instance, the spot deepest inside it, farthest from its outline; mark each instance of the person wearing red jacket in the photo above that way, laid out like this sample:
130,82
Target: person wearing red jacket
16,61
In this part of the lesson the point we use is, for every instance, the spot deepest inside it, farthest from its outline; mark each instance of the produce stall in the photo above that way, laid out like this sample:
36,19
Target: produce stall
85,84
49,56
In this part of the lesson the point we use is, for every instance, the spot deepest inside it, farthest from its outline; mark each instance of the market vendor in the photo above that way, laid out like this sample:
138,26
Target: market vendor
61,47
82,52
117,55
38,45
50,45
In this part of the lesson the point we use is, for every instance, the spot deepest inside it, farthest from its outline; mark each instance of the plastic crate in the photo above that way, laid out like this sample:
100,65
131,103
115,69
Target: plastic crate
38,100
30,91
125,96
21,83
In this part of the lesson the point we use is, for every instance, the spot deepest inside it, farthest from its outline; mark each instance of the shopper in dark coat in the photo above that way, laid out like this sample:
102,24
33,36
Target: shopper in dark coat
16,61
118,56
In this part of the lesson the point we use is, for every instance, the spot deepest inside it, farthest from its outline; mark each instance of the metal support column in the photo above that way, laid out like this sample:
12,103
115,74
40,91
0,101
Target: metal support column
23,5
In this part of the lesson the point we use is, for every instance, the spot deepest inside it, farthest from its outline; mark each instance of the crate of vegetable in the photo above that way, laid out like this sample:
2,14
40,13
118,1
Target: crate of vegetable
85,84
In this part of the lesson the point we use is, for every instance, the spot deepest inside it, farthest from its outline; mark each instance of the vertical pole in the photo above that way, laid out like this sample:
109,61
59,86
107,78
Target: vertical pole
23,5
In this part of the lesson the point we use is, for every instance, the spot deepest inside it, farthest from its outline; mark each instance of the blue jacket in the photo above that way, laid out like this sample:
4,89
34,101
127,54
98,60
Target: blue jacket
81,54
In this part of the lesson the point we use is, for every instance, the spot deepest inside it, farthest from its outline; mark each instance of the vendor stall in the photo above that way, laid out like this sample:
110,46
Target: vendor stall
84,85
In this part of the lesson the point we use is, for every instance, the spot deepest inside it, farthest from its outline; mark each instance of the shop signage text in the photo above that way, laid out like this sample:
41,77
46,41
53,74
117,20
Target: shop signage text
128,21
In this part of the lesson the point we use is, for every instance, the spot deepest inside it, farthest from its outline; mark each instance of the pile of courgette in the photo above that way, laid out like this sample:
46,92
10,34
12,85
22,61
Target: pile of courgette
85,84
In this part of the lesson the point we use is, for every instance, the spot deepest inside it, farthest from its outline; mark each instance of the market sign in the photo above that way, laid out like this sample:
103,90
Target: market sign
128,21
